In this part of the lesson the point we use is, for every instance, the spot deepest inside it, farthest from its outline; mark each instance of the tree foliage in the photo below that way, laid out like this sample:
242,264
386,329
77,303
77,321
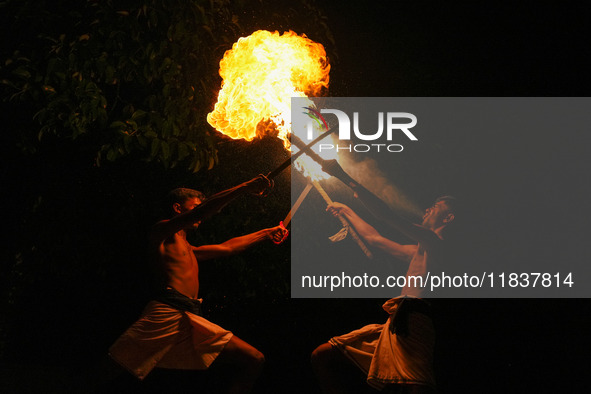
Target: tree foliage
132,77
135,77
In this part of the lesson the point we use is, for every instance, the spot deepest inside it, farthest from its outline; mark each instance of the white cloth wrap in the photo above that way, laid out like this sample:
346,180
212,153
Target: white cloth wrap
388,358
167,338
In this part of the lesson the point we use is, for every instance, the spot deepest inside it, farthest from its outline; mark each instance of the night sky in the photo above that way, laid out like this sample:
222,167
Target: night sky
526,194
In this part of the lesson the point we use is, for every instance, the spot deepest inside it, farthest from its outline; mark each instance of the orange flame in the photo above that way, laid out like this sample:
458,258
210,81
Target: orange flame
260,75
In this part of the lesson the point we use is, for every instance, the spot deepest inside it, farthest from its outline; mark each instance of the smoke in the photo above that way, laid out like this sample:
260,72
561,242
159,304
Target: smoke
373,179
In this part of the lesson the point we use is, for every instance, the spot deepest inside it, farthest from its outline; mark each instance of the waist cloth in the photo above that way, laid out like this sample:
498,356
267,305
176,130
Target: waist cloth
169,334
397,352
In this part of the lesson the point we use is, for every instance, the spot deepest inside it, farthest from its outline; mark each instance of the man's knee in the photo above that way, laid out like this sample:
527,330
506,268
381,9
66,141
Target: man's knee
251,355
322,355
257,358
239,352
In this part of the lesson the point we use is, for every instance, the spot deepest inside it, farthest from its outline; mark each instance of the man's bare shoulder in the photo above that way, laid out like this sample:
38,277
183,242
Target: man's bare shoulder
160,232
427,238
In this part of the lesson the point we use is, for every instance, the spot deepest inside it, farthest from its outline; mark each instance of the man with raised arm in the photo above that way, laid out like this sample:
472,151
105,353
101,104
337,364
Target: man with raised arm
171,332
399,352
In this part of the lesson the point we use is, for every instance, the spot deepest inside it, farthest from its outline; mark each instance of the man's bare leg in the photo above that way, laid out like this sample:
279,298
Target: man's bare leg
245,362
336,373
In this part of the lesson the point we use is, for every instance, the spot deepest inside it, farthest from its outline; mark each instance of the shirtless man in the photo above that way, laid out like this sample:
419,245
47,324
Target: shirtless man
171,332
401,350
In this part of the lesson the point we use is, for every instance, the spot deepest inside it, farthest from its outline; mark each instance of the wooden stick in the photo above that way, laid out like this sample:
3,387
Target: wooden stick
296,205
303,148
344,221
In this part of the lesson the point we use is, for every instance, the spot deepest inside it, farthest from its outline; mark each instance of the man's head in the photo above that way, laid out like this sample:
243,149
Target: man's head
182,200
441,213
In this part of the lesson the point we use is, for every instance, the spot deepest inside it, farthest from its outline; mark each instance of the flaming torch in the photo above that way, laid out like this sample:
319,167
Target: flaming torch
261,73
313,170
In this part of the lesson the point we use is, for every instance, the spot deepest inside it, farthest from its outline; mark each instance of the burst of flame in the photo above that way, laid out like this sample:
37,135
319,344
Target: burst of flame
260,75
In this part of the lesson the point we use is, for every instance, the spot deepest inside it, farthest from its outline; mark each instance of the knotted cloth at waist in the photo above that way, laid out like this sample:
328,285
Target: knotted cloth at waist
400,310
177,300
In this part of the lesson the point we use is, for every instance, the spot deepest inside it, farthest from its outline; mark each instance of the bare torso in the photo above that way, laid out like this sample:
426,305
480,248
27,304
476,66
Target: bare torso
423,263
179,264
417,267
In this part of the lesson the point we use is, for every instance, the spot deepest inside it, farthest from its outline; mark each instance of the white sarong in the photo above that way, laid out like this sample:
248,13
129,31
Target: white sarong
388,358
168,338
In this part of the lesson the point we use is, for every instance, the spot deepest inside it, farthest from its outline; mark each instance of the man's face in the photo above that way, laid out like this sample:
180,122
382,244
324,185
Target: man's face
188,205
435,215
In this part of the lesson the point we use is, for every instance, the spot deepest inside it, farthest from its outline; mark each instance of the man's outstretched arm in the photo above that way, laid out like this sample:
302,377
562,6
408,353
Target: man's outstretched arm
239,244
371,235
208,208
381,211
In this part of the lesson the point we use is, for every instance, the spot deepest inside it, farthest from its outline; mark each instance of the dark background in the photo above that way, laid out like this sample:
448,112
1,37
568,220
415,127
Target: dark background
69,300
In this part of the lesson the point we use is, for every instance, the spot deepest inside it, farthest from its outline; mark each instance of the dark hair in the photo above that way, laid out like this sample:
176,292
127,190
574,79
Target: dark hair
182,194
452,203
452,230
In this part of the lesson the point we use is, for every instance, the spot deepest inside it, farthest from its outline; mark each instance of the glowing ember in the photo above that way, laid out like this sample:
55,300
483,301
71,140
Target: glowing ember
261,73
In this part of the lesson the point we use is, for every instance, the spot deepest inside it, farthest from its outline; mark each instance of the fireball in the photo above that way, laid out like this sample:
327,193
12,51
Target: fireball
260,75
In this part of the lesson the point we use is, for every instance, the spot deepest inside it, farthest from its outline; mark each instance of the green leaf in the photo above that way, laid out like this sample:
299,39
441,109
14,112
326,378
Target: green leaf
8,83
154,146
112,154
165,150
142,141
118,125
137,115
22,73
132,124
183,151
127,139
42,131
196,165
